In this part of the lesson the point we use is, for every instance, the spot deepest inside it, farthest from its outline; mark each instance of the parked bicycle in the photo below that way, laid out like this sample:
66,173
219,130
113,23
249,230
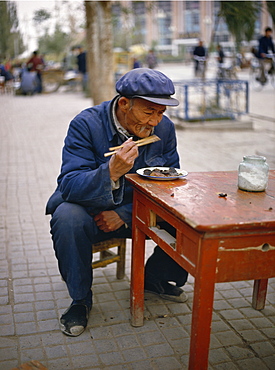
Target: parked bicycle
259,77
226,71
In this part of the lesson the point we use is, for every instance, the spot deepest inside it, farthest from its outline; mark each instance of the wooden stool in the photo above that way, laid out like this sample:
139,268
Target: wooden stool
106,256
32,365
2,84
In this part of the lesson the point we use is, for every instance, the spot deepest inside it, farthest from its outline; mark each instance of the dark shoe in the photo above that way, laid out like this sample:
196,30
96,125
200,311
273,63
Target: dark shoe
74,320
166,291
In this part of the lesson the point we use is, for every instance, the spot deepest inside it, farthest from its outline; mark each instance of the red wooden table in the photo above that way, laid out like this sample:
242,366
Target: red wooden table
218,239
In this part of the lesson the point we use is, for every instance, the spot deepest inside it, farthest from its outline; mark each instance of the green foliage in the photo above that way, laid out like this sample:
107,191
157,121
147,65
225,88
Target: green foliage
271,9
5,26
240,17
50,43
40,16
11,43
55,43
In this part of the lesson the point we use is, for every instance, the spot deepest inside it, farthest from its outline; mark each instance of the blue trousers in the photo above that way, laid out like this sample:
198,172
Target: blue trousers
74,231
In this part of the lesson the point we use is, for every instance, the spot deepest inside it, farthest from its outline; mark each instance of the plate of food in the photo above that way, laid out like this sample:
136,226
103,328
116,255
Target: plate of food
162,173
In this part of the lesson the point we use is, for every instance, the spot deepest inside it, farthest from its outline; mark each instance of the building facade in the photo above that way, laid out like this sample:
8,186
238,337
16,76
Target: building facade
175,26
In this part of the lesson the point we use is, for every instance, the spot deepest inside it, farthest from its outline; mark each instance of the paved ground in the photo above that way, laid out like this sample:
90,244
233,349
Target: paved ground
32,295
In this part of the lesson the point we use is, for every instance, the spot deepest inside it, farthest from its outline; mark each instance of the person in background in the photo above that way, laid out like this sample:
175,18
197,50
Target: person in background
8,65
221,73
151,59
36,64
199,52
266,47
82,67
221,55
70,60
29,82
93,201
2,78
136,63
5,73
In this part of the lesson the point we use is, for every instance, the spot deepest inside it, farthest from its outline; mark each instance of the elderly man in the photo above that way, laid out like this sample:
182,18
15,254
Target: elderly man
93,202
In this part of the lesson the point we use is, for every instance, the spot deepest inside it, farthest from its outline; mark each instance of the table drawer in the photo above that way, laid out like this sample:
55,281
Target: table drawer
246,258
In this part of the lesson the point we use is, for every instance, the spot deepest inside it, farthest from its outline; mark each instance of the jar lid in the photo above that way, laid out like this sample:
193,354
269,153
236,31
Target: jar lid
259,158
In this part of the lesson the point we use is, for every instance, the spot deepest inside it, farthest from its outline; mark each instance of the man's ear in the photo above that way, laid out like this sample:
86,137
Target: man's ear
124,104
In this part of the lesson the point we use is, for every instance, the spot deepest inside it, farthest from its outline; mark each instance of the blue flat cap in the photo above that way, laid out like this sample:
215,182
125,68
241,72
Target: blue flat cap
148,84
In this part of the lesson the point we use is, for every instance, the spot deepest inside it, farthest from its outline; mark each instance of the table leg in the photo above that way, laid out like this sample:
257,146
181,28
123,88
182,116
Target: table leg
137,277
203,306
259,294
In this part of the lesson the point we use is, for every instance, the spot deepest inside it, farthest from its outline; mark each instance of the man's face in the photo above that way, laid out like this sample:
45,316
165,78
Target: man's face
142,116
268,34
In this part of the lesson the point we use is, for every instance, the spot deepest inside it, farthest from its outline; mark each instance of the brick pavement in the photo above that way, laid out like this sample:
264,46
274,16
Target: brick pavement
32,295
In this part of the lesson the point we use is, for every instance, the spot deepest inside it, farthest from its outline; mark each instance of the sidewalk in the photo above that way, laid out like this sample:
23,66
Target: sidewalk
33,296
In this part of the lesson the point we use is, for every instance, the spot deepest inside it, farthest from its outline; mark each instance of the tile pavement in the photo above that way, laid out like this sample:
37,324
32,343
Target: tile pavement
32,295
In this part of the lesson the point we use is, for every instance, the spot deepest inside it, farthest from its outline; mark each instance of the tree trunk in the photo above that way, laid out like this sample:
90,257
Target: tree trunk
100,50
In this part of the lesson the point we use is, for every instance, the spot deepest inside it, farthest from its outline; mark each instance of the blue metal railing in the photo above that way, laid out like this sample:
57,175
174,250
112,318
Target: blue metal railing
206,99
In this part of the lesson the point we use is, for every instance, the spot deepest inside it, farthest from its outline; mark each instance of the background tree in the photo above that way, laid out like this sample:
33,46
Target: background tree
40,19
53,39
240,17
271,9
54,43
73,18
11,43
100,50
40,16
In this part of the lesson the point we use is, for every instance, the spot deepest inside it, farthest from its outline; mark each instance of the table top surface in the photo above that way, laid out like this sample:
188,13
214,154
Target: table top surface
196,200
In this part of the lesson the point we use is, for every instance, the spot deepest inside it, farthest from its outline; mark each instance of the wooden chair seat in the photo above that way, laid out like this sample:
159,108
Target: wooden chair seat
106,256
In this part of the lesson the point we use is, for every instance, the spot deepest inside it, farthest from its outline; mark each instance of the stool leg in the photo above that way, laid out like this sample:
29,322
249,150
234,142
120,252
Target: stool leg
259,294
120,272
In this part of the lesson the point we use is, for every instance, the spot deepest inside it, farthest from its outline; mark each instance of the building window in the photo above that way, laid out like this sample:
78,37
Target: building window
164,21
139,19
192,17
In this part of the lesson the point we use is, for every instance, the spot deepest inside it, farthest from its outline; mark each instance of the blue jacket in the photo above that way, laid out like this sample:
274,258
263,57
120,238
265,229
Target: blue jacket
265,44
29,81
85,178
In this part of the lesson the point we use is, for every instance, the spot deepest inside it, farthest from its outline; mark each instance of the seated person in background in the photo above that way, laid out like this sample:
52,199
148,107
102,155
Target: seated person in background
266,46
5,73
29,82
93,202
136,63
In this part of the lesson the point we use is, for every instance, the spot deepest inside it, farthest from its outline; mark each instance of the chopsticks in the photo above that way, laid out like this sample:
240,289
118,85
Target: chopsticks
141,142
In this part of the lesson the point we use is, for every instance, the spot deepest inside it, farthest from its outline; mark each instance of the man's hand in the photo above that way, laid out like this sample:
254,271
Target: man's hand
123,160
108,221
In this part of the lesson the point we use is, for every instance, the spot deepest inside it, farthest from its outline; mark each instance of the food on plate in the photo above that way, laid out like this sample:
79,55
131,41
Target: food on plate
156,172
